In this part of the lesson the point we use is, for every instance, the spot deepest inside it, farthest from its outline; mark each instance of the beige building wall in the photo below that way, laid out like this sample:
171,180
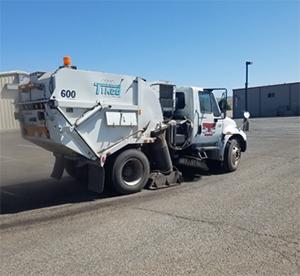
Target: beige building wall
7,120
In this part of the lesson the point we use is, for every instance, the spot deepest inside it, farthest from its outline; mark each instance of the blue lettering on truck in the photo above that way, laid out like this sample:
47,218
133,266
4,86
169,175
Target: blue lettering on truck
107,89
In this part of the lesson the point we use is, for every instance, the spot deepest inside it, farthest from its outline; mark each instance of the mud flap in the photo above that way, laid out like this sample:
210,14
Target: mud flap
157,180
58,168
96,179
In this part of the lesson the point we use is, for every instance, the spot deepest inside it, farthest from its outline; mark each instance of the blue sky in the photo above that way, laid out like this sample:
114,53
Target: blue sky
203,43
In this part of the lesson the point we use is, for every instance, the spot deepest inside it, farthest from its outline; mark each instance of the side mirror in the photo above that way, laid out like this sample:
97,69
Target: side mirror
246,115
222,105
245,125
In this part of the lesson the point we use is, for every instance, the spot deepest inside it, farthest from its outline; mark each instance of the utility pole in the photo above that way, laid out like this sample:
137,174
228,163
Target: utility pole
246,122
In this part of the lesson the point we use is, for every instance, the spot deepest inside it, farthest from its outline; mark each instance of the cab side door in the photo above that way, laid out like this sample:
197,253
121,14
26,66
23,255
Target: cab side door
210,122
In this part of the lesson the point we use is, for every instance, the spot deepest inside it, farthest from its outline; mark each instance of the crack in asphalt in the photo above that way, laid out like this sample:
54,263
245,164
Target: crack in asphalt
217,223
220,224
284,256
212,223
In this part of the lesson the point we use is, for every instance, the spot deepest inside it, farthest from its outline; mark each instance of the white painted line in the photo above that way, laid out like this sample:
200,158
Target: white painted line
28,146
8,193
32,160
7,158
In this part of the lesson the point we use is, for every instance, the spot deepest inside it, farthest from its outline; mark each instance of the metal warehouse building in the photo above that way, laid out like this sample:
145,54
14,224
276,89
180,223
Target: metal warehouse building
268,101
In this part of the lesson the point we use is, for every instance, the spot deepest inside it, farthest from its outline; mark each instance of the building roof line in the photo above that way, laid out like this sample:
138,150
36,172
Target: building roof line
259,86
8,73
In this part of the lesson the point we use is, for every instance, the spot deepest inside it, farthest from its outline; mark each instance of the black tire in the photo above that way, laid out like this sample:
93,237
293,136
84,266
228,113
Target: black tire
130,171
232,155
79,173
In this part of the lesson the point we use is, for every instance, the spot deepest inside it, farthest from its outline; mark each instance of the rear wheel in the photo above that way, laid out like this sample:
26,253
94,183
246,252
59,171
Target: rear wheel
130,171
79,173
232,155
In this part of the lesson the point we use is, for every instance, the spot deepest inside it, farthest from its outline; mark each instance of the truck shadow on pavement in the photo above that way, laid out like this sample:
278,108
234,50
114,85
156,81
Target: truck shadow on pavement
191,174
46,193
50,193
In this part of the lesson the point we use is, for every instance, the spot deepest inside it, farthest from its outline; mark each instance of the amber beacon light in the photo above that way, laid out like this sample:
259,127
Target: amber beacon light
67,61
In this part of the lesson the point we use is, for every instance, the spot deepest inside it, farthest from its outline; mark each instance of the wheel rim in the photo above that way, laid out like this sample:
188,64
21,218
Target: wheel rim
236,155
132,172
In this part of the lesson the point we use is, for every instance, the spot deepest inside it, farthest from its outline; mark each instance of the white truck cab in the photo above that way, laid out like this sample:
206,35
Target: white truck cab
212,130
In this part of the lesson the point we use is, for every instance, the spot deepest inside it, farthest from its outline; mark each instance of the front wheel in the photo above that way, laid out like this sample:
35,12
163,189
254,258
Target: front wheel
130,171
232,155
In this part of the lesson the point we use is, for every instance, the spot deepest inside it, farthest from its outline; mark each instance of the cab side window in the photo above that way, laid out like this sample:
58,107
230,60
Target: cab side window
205,102
214,106
208,103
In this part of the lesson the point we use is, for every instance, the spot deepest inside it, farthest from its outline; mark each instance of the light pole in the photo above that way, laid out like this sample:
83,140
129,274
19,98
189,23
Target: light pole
246,122
246,85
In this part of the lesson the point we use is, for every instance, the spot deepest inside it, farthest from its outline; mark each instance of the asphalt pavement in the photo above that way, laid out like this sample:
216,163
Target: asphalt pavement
242,223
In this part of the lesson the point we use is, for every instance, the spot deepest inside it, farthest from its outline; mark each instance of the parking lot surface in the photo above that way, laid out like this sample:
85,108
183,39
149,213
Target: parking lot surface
242,223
